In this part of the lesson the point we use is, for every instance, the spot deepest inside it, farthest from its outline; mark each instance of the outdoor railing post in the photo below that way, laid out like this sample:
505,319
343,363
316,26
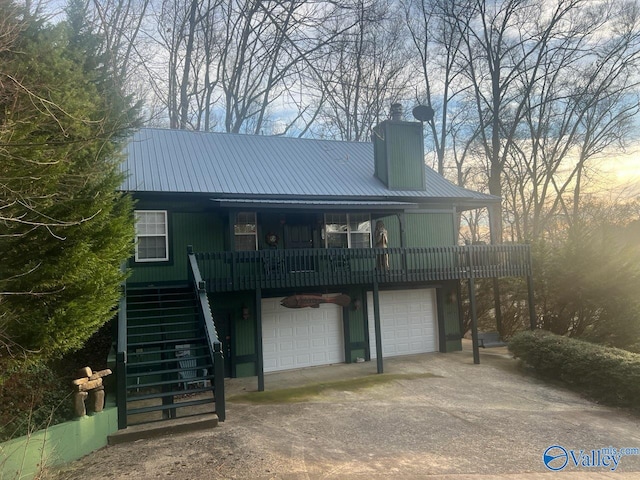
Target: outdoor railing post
121,389
530,292
472,306
121,360
218,380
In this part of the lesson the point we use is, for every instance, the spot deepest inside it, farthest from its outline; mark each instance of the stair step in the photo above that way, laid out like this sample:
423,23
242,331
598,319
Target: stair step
166,382
172,393
166,360
184,287
190,333
155,408
166,427
159,310
146,373
193,347
161,303
141,297
166,342
192,319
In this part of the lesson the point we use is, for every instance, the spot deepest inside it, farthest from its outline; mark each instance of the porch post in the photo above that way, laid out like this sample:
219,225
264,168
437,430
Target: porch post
376,321
259,356
474,320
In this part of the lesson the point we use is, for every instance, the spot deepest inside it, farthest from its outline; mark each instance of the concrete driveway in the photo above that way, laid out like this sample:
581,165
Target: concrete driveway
436,416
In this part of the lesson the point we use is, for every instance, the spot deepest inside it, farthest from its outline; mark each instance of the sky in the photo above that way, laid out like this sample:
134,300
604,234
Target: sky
624,173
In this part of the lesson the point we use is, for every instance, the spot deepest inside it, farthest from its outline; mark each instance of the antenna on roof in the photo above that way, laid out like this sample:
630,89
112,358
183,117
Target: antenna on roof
424,113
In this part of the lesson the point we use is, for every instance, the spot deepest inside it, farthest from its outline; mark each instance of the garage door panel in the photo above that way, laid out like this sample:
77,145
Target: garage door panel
295,338
408,322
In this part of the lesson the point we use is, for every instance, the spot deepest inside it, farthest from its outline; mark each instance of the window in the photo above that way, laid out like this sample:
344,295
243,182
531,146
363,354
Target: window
347,230
152,239
246,231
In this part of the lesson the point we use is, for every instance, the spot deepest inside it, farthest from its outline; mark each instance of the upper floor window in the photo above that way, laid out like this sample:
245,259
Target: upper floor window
246,231
152,238
347,230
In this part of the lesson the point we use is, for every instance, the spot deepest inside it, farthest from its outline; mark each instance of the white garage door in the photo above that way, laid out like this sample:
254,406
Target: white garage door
407,321
300,337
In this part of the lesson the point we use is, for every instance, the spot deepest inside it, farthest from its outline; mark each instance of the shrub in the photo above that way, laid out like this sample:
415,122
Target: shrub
32,397
608,375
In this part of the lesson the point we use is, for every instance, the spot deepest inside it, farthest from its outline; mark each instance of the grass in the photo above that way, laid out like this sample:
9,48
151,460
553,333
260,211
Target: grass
307,392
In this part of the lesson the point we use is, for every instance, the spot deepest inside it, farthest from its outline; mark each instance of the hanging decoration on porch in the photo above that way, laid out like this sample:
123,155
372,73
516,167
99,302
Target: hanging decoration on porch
314,301
271,239
382,241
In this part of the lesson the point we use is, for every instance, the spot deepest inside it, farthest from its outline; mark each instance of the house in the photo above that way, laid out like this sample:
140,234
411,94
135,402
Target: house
234,230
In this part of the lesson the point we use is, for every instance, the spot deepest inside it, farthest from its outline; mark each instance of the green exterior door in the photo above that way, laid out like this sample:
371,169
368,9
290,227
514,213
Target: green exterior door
298,236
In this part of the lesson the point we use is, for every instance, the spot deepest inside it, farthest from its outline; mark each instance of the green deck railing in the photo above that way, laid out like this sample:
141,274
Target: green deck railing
215,345
233,271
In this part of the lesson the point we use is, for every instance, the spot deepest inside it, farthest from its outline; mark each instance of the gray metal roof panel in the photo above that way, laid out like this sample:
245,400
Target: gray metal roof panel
182,161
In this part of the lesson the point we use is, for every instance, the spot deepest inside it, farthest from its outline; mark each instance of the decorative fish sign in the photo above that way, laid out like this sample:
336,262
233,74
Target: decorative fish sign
314,301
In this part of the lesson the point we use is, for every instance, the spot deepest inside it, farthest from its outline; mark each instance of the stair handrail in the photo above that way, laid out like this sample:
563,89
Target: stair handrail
215,345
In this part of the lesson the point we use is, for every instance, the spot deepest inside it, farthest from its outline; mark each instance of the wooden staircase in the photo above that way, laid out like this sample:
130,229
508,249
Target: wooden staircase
169,368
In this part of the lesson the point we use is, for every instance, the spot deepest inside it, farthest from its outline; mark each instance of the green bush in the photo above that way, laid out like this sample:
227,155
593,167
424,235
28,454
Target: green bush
608,375
32,397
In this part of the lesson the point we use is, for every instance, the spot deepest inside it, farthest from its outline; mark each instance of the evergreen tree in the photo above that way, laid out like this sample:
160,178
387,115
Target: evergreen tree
64,229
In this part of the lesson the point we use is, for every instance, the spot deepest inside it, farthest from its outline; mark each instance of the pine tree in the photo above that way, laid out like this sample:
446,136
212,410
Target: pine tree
64,228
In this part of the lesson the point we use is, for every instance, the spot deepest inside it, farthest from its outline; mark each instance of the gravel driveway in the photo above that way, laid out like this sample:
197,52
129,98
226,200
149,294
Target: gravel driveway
438,416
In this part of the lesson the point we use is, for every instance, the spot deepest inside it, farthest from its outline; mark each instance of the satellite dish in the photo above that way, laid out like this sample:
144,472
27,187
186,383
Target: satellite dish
424,113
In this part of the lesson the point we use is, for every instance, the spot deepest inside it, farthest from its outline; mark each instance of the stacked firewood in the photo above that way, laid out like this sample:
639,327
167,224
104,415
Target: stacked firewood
88,384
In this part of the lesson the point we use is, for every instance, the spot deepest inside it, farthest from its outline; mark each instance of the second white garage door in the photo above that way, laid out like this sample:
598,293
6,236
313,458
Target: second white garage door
300,337
407,321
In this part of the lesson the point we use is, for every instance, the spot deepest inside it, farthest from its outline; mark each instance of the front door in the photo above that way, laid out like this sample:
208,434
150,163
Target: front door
298,235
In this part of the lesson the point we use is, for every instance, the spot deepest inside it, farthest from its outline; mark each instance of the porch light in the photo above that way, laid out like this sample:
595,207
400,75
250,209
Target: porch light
245,312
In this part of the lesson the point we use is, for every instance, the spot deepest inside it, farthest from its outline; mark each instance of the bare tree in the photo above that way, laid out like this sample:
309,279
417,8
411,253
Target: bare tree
582,104
231,63
364,70
436,28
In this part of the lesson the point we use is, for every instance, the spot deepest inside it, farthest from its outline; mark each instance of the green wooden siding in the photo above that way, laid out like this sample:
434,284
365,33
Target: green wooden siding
429,229
451,319
205,231
399,154
241,330
357,325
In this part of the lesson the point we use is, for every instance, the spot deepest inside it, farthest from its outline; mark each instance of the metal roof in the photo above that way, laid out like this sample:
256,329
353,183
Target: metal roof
254,166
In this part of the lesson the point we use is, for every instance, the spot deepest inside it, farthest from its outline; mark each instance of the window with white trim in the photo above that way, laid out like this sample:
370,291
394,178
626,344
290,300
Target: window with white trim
246,231
152,238
347,230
